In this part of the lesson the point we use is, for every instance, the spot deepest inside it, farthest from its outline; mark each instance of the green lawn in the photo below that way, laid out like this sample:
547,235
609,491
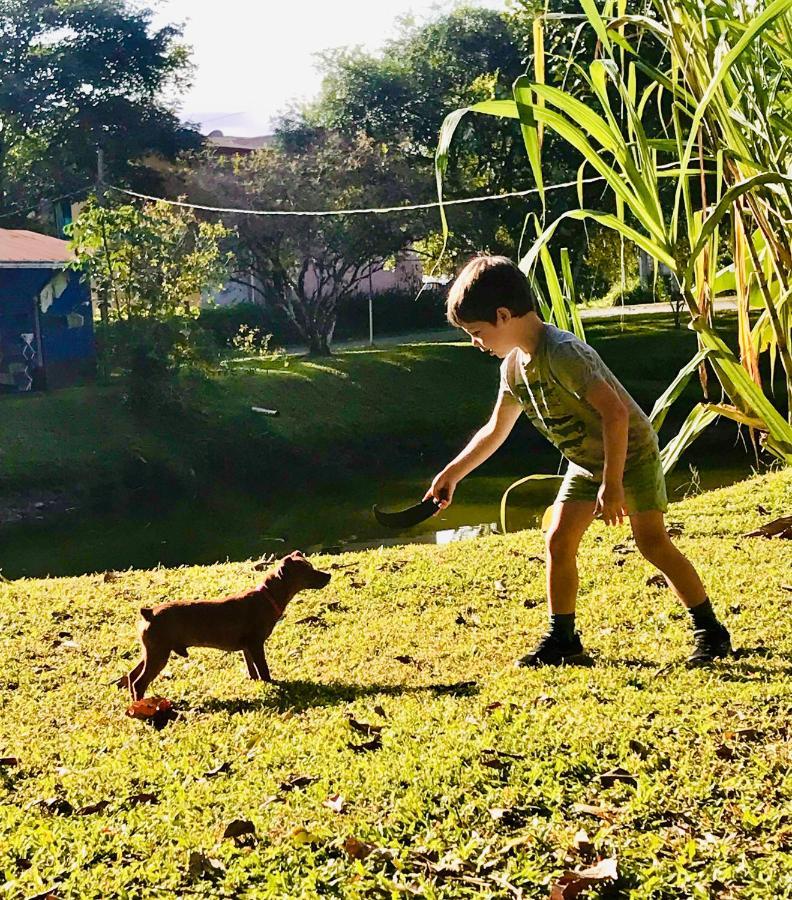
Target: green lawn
485,774
360,411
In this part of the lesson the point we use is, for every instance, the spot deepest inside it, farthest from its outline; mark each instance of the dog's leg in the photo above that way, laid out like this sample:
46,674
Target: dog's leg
154,662
125,681
252,670
260,662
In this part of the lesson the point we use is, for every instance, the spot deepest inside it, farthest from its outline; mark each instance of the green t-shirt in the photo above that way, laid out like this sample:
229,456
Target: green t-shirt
551,387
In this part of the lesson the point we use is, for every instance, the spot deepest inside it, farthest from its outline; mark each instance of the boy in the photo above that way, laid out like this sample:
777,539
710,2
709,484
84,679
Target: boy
614,464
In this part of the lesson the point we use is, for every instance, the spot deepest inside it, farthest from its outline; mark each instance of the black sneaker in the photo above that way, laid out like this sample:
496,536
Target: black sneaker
711,643
555,651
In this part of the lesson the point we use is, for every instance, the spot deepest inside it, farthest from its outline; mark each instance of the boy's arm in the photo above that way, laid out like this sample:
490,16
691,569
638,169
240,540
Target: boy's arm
615,421
479,448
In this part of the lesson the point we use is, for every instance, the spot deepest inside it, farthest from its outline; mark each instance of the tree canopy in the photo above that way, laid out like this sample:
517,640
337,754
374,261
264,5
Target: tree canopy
76,75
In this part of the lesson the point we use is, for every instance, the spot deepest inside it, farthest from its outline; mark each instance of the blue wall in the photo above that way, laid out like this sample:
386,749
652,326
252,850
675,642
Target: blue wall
67,345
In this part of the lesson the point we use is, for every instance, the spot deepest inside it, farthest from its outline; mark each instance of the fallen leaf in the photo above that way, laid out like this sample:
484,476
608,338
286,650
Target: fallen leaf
313,620
48,894
571,884
109,577
297,781
744,734
622,548
500,587
458,689
491,707
238,828
608,779
380,712
334,606
9,761
138,799
265,562
357,849
301,836
221,769
786,587
407,660
99,806
763,511
608,814
581,843
656,581
725,752
156,710
200,865
517,816
374,744
544,700
639,749
55,806
335,802
364,727
674,529
779,528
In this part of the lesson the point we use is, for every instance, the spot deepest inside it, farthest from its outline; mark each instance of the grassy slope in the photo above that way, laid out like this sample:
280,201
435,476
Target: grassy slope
356,410
710,815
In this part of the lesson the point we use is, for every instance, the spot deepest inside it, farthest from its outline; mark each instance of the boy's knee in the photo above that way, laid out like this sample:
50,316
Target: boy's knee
654,547
561,544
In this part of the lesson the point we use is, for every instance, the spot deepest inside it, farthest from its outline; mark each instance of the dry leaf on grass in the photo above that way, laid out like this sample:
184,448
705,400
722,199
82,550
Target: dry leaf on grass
8,761
296,781
238,828
617,775
403,658
778,528
221,769
139,799
357,849
156,710
336,802
55,806
607,813
91,808
200,865
364,727
380,711
656,581
374,744
571,884
318,621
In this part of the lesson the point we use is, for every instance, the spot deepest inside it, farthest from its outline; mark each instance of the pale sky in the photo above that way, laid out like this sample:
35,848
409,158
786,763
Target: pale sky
253,57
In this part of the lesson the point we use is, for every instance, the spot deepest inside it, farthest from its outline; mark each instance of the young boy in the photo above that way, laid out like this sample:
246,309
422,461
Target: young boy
614,470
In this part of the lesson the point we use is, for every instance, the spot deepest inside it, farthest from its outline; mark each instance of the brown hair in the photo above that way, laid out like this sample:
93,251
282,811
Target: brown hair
485,284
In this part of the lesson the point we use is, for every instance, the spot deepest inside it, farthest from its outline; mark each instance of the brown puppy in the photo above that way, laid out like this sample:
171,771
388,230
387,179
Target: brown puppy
240,622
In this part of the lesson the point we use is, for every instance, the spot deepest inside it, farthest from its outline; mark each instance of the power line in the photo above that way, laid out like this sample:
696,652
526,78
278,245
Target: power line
354,212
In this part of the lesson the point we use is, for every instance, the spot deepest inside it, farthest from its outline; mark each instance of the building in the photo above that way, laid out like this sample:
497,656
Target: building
46,318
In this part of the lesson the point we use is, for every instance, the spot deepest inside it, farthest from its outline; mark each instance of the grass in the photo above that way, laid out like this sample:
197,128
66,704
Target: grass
463,734
362,411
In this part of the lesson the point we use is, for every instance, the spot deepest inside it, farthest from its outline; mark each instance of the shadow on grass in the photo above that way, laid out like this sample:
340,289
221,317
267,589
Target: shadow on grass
300,695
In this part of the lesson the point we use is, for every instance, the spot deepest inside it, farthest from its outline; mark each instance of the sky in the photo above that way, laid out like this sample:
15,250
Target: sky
254,57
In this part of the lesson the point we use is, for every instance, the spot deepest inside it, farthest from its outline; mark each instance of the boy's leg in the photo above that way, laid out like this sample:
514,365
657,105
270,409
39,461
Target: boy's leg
651,538
561,643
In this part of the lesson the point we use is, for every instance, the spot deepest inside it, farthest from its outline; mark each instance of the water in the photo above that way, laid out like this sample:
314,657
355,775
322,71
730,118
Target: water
235,526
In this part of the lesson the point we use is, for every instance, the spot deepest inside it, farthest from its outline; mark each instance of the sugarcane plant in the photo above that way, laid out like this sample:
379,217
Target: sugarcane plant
725,89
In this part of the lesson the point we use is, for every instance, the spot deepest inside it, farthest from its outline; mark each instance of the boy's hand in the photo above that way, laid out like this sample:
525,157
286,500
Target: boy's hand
442,489
610,503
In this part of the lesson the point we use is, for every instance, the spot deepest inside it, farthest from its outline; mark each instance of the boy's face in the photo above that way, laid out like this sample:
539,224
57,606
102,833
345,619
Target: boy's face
498,339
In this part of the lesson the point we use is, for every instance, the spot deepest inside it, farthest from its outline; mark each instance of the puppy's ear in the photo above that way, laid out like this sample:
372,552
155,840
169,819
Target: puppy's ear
298,554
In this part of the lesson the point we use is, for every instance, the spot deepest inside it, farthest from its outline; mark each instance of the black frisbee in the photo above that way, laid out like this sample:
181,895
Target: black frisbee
406,518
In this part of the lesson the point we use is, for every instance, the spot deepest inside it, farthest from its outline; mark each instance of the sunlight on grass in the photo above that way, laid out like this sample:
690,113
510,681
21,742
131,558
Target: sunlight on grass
418,642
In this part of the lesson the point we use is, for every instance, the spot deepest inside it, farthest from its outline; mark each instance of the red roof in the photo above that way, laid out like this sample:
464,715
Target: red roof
28,246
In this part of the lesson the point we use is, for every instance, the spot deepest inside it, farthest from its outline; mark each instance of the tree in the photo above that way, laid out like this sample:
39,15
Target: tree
153,263
76,75
307,264
400,97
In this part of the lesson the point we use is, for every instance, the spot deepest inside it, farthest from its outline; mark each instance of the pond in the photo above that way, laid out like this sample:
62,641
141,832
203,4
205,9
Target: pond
231,525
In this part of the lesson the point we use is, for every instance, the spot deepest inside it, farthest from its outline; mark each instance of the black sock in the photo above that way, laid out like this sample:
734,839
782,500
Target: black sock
703,616
562,625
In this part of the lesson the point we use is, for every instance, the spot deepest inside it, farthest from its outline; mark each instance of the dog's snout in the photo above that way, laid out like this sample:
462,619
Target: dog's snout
322,578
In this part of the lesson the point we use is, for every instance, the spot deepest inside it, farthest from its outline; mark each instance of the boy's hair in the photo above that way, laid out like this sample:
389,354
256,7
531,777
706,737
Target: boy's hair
485,284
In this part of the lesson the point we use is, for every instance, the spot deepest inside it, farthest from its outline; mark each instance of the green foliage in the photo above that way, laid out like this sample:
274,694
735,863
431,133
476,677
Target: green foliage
308,265
149,266
719,72
76,75
150,262
709,750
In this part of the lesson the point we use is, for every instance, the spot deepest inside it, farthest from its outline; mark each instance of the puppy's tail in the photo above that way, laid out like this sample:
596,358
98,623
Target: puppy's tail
147,613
